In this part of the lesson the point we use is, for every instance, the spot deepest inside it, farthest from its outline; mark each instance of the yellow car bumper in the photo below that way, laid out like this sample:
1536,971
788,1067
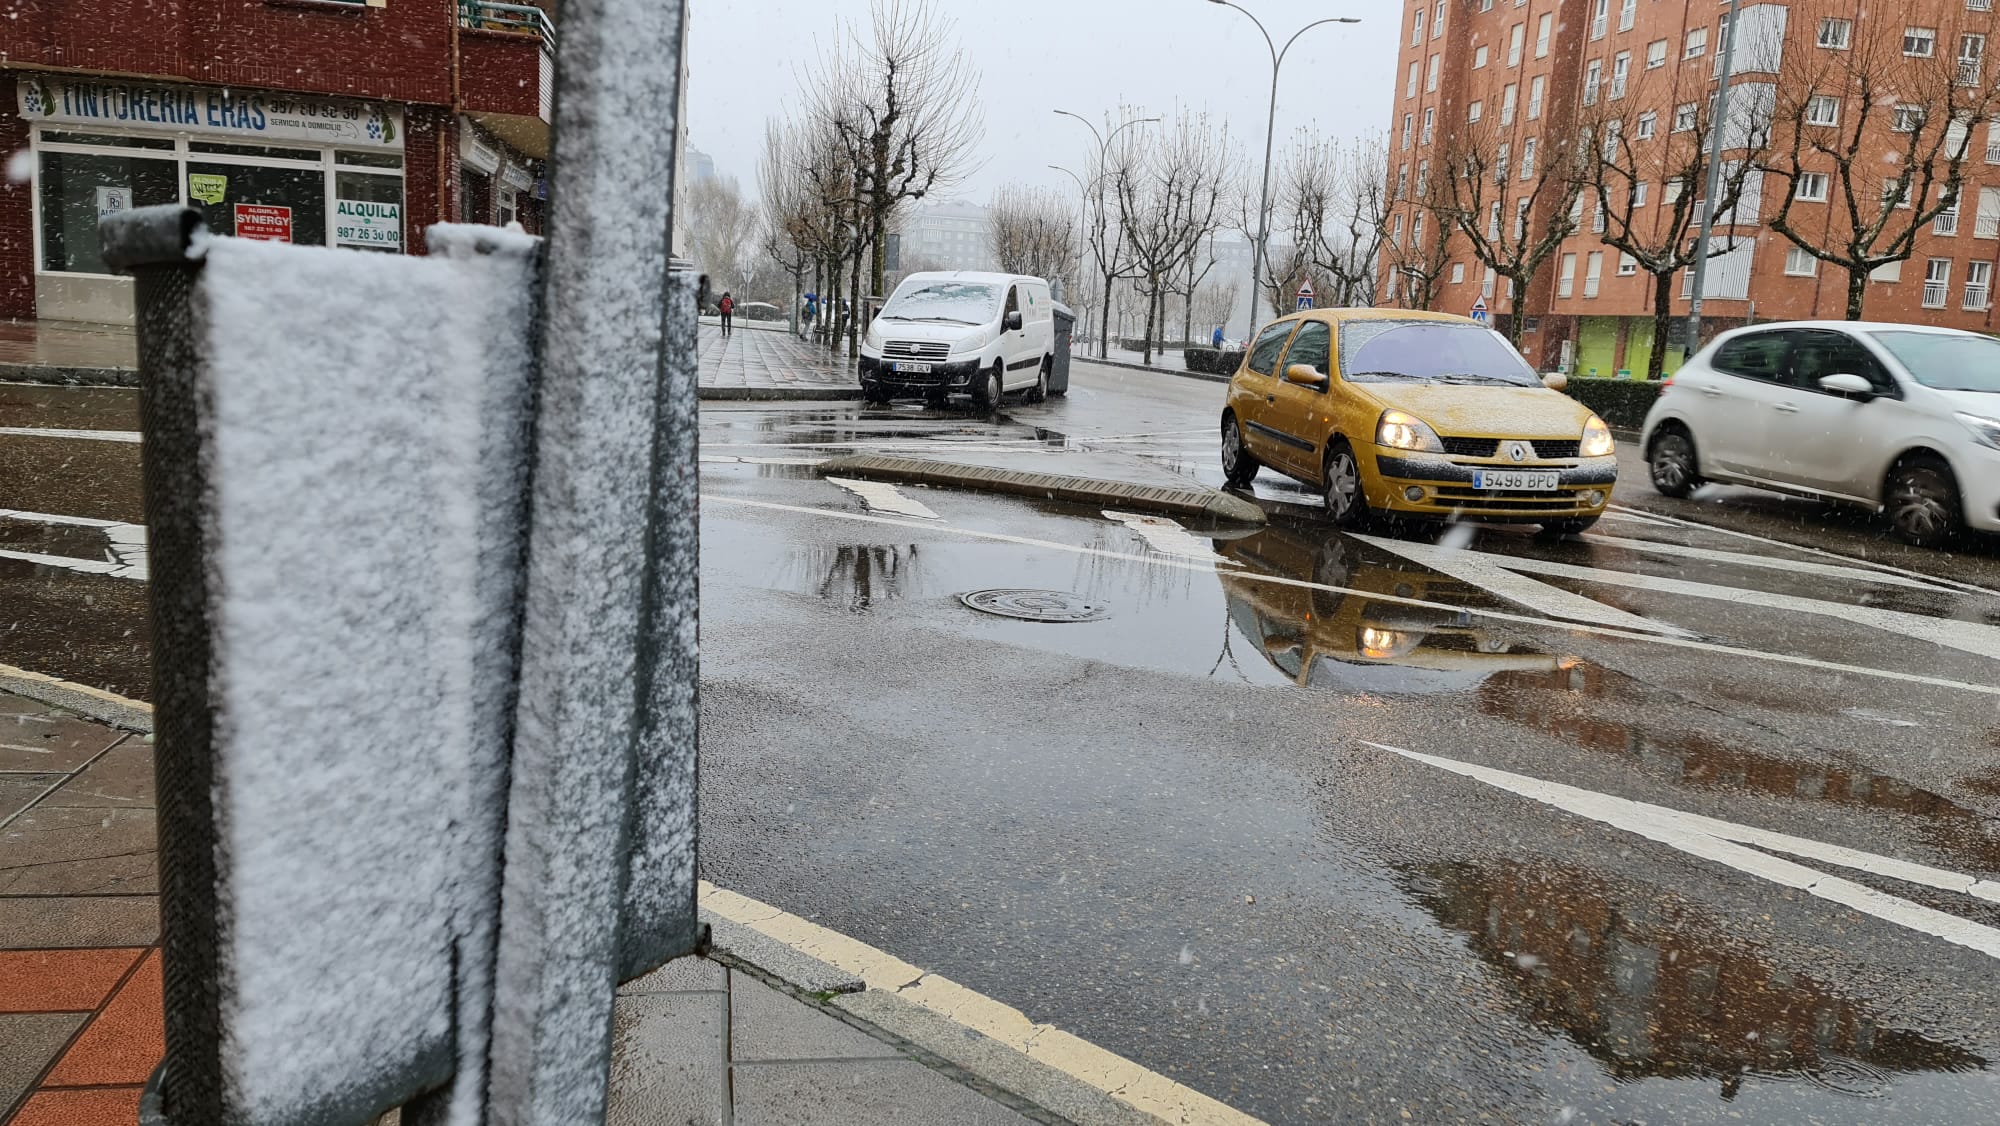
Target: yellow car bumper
1442,486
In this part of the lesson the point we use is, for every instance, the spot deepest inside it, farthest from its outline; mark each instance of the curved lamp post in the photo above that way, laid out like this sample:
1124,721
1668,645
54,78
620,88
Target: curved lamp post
1103,145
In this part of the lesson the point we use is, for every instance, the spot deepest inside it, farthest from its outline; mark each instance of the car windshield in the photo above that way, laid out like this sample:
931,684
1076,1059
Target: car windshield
958,302
1946,361
1426,351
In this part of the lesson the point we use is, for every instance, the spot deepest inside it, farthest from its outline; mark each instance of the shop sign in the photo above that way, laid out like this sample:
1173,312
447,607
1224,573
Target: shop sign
267,115
365,223
263,222
207,187
110,201
476,152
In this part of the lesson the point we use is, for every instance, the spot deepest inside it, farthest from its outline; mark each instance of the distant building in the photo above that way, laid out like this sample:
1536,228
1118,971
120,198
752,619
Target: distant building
948,236
700,166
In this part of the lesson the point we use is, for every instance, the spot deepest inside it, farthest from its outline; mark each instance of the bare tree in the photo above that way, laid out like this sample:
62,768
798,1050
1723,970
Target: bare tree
722,231
1635,151
1032,233
1513,218
1337,202
784,207
1417,261
1170,194
1875,131
1213,302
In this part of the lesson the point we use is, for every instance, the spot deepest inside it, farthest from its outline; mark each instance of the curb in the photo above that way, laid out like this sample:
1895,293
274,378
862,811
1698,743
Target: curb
829,393
58,376
96,704
1201,375
1175,501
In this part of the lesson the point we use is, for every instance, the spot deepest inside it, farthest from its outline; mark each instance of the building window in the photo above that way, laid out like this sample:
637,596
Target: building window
1684,117
1627,265
1528,158
1835,34
1639,194
1431,76
1430,121
1978,5
1670,191
1437,20
1971,56
1542,29
1474,110
1895,193
1417,28
1919,42
1978,285
1493,220
1535,89
1507,95
1987,225
1621,69
1908,117
1396,230
1811,188
1566,278
1486,286
1937,282
1648,121
1697,43
1656,54
1597,216
1457,272
1485,5
1600,10
1822,109
1478,57
1402,181
1416,228
1500,163
1800,264
1410,87
1593,273
1593,74
1946,221
1515,38
1627,12
1614,131
1423,177
1409,127
1521,218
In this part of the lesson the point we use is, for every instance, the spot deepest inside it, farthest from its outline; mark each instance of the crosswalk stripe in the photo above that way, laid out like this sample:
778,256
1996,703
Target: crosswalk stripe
1167,536
1766,562
880,496
127,436
1492,573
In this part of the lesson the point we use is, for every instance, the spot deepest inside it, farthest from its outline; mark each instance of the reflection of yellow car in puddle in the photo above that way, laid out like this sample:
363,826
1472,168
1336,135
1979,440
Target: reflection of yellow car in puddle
1368,641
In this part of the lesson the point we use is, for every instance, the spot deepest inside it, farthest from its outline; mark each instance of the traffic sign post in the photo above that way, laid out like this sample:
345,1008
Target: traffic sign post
1479,310
1305,295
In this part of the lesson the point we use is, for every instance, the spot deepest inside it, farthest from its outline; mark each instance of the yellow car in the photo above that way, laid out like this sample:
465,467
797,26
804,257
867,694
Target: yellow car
1418,415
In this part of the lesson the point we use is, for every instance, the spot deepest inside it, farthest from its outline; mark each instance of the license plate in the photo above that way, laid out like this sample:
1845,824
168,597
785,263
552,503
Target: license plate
918,369
1515,480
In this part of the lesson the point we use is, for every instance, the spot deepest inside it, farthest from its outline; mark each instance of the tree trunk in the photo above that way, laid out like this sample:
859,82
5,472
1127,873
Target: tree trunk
1515,321
1152,303
854,305
1663,315
1857,291
1104,326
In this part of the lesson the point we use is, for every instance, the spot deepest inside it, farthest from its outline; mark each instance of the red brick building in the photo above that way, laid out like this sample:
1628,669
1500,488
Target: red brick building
1525,71
350,123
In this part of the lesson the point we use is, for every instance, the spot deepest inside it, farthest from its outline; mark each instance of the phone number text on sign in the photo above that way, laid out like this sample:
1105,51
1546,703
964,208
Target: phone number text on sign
368,224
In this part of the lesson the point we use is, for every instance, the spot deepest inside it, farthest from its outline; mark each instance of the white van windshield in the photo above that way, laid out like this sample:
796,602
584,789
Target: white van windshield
954,302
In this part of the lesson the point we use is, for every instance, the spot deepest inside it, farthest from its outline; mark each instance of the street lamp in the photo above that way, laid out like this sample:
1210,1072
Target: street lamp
1271,124
1083,205
1103,144
1718,117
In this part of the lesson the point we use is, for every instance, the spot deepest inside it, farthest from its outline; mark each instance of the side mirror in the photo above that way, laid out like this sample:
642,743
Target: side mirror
1555,381
1852,386
1014,321
1304,375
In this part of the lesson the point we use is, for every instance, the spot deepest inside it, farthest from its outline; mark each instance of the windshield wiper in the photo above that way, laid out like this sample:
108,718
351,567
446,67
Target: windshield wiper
1389,374
945,320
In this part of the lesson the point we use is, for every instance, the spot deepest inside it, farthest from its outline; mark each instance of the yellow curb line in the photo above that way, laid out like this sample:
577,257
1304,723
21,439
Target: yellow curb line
1135,1086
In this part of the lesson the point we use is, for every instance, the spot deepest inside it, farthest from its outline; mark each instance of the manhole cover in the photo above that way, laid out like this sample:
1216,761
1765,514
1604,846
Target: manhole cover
1036,605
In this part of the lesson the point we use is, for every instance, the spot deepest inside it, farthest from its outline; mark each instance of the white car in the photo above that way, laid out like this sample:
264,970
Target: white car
1898,418
961,332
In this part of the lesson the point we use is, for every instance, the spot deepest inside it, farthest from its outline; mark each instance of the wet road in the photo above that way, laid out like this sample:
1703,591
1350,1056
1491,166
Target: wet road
1673,823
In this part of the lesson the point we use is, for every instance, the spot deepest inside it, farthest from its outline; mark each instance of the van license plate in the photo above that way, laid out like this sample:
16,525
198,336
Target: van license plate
1515,480
919,369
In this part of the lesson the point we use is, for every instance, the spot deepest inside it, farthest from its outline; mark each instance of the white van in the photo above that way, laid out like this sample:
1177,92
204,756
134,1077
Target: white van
961,332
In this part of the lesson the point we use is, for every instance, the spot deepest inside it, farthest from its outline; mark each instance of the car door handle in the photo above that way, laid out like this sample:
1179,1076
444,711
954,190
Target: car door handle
1712,392
1270,398
1786,407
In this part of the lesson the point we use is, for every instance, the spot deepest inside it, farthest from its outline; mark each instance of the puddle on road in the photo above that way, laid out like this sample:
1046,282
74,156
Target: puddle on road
1649,1000
855,576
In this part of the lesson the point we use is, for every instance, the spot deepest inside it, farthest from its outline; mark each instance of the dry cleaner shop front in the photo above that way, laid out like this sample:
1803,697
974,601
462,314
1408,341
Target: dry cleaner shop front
258,164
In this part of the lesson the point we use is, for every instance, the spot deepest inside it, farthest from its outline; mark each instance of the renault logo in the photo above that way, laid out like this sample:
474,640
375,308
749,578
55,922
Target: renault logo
1518,451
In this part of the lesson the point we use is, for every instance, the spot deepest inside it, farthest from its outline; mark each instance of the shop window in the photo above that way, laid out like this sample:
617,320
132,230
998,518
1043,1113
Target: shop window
475,197
312,156
80,188
368,211
279,204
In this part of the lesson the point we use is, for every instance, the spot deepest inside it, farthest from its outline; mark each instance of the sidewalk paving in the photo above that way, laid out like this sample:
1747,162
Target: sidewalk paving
81,1024
763,363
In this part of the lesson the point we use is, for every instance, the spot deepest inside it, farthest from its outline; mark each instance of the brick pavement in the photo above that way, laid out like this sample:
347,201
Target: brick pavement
769,359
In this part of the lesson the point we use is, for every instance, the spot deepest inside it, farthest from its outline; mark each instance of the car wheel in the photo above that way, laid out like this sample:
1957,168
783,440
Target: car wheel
1040,391
1340,486
987,394
1239,467
1922,502
1574,527
1675,471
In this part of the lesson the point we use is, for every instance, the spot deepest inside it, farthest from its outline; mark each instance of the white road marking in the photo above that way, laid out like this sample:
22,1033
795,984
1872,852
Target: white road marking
726,460
1969,637
52,518
127,543
1167,536
1637,518
87,566
1723,841
880,496
131,436
1740,559
1281,580
1493,573
1677,522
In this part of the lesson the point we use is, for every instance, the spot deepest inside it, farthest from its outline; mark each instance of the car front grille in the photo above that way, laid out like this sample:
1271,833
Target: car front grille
1544,448
915,350
1554,447
1471,447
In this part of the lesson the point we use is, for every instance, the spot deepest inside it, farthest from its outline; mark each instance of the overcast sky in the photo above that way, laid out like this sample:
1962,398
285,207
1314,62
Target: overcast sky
746,58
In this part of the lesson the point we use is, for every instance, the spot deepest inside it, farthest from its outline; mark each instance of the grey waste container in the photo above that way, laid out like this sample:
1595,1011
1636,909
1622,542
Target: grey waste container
1059,373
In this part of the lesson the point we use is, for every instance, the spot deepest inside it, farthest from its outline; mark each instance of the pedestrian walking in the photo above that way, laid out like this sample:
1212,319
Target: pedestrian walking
1216,340
728,307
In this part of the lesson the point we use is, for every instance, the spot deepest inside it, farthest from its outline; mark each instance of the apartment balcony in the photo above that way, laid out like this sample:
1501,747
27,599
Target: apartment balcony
507,52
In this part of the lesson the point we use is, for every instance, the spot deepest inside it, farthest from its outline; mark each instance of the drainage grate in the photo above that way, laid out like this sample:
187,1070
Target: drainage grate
1036,605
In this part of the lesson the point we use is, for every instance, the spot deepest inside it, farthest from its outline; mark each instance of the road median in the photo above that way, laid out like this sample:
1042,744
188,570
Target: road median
1174,500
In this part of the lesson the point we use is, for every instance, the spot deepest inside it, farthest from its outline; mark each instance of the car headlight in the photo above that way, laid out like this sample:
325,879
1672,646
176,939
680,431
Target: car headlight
1597,440
1385,644
872,339
1987,430
1400,431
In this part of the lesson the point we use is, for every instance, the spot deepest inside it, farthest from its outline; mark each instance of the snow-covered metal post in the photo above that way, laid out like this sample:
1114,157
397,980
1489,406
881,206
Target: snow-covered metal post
424,597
